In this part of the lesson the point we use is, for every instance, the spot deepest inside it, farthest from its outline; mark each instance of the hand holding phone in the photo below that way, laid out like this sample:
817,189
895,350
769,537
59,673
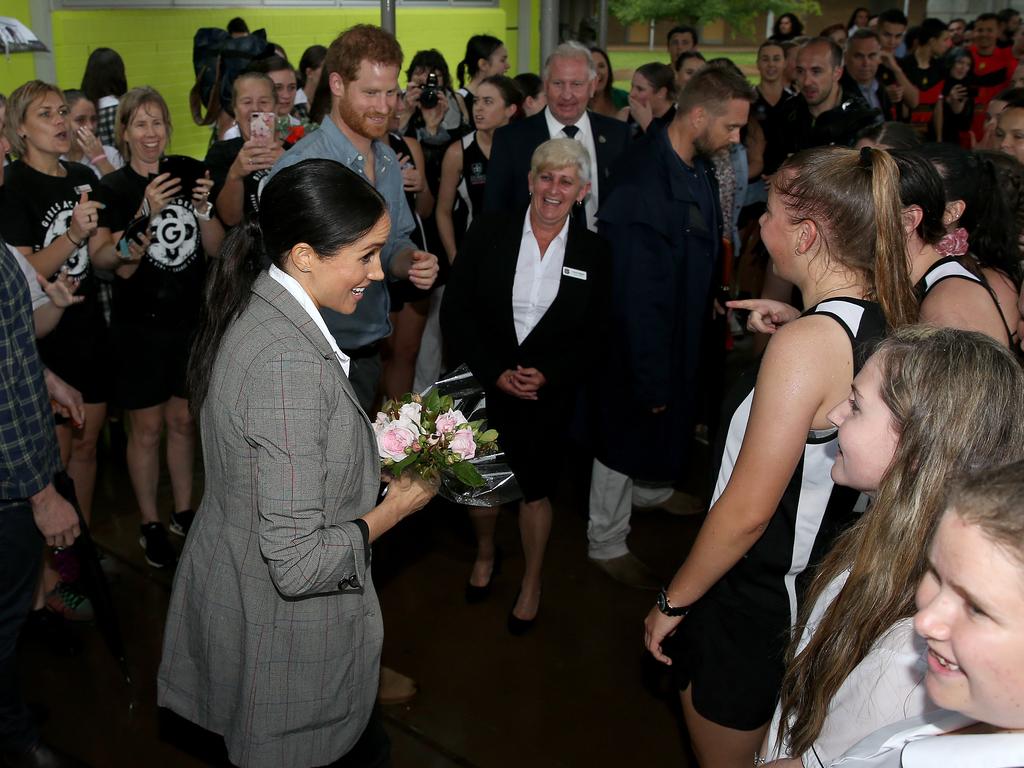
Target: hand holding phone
261,127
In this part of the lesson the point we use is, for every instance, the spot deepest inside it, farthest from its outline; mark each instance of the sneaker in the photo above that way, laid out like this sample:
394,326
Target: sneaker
159,552
630,570
181,522
65,600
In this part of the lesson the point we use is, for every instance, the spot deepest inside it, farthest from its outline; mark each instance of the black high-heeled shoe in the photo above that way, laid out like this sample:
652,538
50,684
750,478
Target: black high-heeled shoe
516,626
475,594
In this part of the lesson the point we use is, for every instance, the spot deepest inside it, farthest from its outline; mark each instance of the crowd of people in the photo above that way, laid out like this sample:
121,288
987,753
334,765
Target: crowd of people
854,593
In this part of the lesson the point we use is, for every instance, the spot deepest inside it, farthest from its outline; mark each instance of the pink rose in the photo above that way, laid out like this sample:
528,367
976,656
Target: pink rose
395,438
463,445
449,422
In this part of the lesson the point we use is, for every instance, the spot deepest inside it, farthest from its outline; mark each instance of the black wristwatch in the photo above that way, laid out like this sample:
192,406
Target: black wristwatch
665,607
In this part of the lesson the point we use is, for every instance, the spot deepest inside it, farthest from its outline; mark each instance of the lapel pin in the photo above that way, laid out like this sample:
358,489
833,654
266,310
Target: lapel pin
601,139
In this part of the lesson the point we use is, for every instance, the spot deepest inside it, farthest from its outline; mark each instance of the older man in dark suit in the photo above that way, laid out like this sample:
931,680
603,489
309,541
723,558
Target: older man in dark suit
568,84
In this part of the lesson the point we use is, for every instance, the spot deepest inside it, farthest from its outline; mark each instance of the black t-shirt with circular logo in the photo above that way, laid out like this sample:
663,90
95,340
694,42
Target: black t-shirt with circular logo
166,288
37,211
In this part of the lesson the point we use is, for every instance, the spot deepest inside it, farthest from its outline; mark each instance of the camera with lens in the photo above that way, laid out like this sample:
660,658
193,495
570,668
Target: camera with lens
431,92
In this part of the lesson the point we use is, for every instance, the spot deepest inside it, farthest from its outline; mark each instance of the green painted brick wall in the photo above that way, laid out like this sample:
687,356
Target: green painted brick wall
157,44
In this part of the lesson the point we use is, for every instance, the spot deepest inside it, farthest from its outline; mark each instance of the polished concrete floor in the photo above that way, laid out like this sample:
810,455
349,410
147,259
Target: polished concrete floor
577,691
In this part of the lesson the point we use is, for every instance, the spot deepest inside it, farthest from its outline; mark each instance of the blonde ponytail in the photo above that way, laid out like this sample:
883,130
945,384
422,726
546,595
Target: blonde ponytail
893,289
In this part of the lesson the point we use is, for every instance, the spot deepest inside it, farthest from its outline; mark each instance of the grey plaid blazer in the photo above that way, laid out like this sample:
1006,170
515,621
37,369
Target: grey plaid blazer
274,631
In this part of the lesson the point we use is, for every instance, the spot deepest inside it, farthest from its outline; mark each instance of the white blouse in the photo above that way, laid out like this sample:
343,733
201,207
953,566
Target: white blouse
886,686
537,279
293,287
931,741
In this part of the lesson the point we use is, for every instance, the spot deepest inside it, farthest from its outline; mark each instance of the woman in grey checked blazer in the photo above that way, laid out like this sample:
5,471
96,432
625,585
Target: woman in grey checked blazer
274,631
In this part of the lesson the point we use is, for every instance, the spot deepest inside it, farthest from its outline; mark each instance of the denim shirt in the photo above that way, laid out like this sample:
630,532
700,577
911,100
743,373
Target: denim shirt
369,323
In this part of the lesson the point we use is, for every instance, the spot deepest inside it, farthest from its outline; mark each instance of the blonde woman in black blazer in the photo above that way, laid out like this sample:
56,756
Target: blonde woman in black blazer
527,347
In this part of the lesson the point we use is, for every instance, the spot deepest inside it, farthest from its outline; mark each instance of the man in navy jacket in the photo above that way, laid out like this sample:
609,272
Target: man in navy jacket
664,223
568,84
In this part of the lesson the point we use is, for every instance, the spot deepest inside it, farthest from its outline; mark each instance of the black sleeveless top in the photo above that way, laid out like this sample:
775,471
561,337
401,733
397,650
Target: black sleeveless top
474,178
950,268
813,510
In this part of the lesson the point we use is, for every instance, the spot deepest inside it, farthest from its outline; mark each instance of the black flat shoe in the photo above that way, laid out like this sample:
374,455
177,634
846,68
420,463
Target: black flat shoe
516,626
475,594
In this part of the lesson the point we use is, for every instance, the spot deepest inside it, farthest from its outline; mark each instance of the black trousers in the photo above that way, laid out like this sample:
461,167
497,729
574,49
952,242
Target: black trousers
20,549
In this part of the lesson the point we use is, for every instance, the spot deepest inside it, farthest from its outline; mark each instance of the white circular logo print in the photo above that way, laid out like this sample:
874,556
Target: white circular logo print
57,222
175,232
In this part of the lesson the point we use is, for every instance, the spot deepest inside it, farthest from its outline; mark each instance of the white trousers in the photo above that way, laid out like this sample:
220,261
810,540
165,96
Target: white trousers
612,497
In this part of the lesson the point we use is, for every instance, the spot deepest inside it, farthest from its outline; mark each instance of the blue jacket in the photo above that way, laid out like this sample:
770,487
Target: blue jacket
664,263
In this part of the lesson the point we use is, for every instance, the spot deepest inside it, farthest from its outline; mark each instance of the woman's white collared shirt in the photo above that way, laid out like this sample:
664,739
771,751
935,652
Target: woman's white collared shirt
291,285
537,278
932,741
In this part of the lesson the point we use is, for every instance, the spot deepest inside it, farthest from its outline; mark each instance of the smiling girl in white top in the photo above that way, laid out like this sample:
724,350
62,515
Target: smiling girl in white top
970,612
929,403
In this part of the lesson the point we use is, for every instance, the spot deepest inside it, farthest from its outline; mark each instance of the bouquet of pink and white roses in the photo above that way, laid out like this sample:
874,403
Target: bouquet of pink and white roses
428,434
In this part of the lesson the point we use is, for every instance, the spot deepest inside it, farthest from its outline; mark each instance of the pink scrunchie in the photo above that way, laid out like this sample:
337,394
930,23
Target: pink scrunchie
953,244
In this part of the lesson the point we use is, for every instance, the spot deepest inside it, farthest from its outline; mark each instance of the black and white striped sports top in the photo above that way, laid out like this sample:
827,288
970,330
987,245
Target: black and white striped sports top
813,510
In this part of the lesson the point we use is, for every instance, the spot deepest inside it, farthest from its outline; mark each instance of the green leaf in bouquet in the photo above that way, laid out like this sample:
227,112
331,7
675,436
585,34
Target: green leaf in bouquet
490,436
432,402
467,474
475,425
404,464
446,404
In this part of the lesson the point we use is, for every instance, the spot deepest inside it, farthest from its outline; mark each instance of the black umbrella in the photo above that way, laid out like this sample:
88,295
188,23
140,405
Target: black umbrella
93,581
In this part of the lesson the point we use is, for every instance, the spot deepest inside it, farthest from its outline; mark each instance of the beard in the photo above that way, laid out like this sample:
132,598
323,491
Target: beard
359,122
702,144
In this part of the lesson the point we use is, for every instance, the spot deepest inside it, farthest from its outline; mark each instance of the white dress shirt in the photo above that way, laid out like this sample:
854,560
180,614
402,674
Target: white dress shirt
537,278
293,287
585,136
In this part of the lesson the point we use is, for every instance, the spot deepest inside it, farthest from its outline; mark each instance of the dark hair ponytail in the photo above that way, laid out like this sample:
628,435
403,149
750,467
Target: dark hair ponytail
991,225
228,288
477,47
921,186
318,202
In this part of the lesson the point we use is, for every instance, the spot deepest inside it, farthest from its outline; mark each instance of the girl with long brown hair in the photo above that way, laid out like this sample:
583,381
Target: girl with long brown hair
775,509
929,404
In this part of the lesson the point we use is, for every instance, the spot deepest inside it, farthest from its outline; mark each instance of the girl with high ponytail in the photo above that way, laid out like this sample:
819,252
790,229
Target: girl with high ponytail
983,237
485,57
952,286
833,229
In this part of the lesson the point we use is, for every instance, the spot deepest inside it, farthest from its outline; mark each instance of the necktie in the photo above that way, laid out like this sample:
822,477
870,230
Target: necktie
570,131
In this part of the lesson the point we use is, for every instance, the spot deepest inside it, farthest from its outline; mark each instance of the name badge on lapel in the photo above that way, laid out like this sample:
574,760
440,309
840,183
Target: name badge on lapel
579,274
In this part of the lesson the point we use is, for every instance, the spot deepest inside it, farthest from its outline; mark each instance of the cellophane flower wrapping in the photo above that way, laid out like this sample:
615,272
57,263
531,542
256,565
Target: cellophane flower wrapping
441,434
